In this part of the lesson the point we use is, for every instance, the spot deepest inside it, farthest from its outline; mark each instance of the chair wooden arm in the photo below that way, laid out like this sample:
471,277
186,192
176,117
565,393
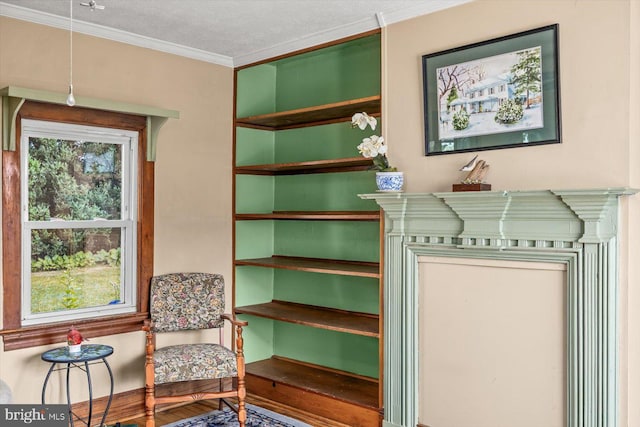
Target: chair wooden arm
238,325
234,320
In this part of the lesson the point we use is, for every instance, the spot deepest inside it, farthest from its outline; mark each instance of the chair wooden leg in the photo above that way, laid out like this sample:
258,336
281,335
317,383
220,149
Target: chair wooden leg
220,401
149,406
242,391
242,412
149,376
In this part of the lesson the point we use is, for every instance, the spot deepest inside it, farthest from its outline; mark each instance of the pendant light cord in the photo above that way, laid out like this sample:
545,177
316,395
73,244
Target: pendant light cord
70,42
71,100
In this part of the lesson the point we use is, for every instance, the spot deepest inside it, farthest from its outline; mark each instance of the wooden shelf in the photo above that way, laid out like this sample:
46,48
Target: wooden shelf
316,115
350,164
318,317
316,265
307,377
313,215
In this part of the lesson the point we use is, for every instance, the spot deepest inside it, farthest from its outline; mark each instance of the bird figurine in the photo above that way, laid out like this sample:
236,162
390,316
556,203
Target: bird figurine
469,166
477,173
74,337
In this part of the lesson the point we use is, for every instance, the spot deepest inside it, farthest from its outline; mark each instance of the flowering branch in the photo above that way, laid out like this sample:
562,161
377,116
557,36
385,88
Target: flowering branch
361,120
374,146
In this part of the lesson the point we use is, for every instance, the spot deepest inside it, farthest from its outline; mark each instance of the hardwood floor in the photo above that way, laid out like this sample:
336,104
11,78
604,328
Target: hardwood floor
171,415
176,413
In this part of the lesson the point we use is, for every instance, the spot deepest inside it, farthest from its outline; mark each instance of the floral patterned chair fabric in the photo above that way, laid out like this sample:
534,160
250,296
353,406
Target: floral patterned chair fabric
190,362
182,301
191,301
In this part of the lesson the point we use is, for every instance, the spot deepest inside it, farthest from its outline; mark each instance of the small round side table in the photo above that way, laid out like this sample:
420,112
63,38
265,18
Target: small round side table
95,353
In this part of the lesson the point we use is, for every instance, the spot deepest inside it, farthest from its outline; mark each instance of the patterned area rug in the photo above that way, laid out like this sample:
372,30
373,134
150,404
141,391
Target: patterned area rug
256,417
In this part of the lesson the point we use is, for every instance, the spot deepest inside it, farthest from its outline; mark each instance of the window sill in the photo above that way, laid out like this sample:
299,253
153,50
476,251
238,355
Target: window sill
53,333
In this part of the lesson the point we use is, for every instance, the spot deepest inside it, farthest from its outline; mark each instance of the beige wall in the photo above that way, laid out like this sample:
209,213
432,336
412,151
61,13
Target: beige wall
594,87
492,343
193,167
599,47
631,299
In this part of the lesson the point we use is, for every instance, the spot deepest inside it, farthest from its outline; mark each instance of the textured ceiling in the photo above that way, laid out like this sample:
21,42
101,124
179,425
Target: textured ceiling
230,28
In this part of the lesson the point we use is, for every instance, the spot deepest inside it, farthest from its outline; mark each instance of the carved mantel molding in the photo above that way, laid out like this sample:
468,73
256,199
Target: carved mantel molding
578,228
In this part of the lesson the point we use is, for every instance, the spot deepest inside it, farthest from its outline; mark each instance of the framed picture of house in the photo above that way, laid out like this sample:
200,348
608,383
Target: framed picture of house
499,93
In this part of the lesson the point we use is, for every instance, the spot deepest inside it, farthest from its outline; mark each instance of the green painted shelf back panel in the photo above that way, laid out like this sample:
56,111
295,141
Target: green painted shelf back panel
254,285
327,290
254,239
337,73
313,192
258,338
333,349
333,192
254,147
334,141
255,194
348,240
256,90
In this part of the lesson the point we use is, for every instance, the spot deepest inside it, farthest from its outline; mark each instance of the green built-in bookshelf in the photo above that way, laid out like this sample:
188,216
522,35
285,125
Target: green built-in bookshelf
307,250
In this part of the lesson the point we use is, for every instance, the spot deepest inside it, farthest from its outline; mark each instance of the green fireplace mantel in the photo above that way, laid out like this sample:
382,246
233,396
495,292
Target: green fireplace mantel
578,228
13,98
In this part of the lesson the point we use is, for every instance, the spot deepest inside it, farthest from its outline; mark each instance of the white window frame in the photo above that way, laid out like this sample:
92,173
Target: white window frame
127,223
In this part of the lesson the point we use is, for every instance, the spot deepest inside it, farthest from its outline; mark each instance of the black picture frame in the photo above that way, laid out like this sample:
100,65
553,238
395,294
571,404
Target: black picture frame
490,79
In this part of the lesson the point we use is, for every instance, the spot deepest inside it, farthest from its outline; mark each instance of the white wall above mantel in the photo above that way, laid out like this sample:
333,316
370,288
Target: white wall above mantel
577,229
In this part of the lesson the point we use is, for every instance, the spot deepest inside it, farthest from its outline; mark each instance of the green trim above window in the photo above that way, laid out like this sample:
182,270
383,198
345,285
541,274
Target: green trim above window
13,97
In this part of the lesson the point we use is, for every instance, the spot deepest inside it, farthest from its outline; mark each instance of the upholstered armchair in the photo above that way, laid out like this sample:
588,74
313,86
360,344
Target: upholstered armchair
191,301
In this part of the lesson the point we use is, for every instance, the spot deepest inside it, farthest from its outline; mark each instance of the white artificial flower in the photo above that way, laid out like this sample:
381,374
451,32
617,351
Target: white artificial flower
367,149
361,120
372,146
378,144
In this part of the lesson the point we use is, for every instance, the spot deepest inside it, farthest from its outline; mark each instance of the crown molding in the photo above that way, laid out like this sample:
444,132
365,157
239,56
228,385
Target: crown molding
311,40
375,21
43,18
421,8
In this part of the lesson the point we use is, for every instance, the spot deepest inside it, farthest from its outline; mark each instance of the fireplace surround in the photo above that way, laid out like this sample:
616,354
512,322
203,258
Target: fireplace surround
576,228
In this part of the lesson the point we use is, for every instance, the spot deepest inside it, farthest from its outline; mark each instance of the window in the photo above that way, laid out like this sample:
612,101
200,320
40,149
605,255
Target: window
96,216
78,221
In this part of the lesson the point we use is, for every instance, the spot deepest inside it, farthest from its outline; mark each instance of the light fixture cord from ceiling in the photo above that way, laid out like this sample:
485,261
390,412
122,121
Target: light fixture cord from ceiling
70,42
71,100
